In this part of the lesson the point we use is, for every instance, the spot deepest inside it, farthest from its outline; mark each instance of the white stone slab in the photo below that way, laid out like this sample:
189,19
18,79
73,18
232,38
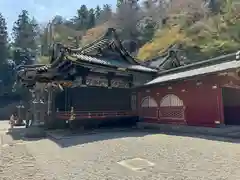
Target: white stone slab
136,164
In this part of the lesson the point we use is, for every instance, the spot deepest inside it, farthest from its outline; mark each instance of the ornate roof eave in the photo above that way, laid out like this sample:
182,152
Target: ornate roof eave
29,75
60,56
171,58
80,59
162,55
208,62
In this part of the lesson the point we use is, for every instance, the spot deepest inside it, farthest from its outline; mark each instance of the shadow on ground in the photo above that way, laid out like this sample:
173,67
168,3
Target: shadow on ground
73,138
206,137
107,134
18,133
67,138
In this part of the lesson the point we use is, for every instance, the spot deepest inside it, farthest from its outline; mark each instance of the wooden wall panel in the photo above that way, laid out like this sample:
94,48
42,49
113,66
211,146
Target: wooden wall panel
95,99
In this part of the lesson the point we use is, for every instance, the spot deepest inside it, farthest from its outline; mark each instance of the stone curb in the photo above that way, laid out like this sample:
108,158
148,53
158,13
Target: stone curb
150,128
34,132
217,132
53,134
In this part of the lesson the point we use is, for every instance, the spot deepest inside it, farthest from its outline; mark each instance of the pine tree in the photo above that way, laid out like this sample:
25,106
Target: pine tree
3,40
4,53
82,18
105,14
25,32
119,2
97,12
91,18
107,10
44,42
58,20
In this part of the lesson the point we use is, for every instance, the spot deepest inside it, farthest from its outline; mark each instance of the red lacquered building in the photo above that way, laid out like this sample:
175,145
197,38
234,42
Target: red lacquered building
199,94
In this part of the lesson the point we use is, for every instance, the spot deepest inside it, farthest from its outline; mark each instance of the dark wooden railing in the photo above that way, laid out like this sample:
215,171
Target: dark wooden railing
66,115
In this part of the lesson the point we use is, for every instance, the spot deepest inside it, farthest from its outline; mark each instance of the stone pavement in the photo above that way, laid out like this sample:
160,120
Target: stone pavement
138,155
121,155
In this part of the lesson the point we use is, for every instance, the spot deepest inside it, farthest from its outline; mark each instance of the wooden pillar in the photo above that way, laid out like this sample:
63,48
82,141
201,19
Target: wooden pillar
130,79
52,117
51,109
110,76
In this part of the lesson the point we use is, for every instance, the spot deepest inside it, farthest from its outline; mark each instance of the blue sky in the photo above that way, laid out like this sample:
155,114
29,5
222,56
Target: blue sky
44,10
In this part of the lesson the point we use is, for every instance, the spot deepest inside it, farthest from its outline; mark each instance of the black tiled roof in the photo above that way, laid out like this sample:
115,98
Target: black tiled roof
196,72
90,53
218,64
109,39
111,63
168,57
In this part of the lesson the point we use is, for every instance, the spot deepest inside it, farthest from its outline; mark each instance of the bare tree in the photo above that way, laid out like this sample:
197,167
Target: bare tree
127,17
180,6
105,15
156,10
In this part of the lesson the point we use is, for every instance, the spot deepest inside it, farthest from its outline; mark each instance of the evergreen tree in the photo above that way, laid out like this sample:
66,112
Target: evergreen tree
44,42
107,10
119,2
25,33
5,72
58,20
105,14
3,40
91,18
34,32
97,12
82,18
146,29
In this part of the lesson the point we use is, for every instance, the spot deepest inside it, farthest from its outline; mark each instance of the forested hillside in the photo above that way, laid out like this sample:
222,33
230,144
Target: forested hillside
203,28
203,31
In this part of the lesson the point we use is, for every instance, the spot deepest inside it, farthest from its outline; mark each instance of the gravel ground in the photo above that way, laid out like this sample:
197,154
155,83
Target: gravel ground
174,157
110,156
18,164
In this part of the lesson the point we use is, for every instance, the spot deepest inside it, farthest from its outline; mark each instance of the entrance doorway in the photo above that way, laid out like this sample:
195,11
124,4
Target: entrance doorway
231,106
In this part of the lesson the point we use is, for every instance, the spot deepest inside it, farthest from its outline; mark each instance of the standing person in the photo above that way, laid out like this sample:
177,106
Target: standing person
28,116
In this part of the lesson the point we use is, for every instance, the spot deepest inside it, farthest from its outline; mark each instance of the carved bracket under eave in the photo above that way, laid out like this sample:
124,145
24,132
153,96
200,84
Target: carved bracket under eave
234,74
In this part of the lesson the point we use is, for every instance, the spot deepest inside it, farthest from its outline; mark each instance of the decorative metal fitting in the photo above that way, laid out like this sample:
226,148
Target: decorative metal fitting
72,114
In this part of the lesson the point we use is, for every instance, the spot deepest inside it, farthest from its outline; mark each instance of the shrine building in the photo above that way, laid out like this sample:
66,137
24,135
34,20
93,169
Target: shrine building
206,93
96,80
101,83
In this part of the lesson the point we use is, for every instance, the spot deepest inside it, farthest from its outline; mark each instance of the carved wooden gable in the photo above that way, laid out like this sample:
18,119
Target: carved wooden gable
119,83
93,80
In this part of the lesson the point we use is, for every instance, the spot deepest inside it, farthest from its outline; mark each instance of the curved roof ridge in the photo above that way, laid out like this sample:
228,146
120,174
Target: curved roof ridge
111,36
164,53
